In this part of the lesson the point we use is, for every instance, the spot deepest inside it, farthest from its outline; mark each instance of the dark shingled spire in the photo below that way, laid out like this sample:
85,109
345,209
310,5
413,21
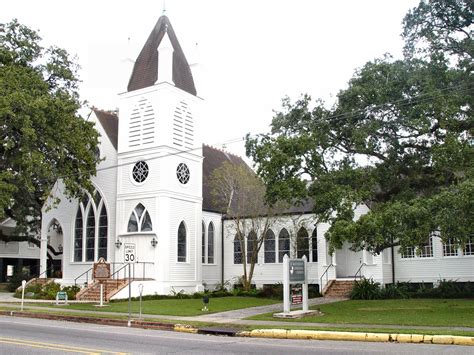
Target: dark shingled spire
145,70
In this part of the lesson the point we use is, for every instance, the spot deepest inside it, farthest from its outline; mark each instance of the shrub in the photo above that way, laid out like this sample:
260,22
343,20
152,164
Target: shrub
71,291
49,290
392,291
366,289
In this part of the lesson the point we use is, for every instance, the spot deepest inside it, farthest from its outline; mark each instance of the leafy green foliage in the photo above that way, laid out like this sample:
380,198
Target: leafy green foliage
48,291
399,139
43,138
366,289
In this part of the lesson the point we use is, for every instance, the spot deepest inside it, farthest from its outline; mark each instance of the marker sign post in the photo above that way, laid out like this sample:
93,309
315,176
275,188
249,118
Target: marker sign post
294,272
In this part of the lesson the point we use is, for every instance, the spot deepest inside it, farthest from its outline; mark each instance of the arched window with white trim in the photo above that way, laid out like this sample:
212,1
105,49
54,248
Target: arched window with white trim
182,243
283,244
210,243
203,241
237,250
314,245
302,243
90,229
252,247
140,220
269,247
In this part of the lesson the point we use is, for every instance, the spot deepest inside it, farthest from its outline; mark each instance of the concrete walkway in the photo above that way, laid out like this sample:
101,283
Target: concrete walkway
235,317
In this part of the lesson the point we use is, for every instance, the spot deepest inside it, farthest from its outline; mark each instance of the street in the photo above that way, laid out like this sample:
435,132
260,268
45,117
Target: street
36,336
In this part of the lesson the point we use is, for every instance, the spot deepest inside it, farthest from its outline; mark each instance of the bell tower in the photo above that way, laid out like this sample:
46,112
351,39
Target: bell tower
159,192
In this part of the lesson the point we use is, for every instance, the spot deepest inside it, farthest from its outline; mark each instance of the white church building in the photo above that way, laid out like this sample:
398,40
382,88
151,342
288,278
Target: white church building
152,205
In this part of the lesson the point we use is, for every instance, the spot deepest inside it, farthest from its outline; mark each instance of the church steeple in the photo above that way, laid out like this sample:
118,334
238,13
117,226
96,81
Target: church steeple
154,61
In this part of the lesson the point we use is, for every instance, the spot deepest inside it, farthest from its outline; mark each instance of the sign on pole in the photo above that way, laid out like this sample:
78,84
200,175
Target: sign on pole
130,252
101,270
296,269
294,272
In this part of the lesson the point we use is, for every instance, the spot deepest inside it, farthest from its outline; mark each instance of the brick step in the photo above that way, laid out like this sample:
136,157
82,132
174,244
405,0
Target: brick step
110,288
341,288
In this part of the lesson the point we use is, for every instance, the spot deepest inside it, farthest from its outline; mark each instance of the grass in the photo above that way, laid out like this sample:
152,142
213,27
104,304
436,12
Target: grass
411,312
176,307
65,312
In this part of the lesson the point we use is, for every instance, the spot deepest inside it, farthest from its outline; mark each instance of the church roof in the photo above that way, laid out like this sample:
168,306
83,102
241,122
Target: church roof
213,159
109,122
145,70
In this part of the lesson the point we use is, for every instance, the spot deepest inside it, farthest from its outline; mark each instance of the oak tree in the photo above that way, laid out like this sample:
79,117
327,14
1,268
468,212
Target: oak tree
43,138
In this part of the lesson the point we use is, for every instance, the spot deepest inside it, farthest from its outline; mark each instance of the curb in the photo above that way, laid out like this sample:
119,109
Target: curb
104,321
259,333
354,336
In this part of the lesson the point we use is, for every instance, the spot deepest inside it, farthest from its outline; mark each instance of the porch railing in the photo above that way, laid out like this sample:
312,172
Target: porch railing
138,271
81,275
359,272
325,273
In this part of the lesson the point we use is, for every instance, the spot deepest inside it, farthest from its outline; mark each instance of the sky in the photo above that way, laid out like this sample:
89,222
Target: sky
251,53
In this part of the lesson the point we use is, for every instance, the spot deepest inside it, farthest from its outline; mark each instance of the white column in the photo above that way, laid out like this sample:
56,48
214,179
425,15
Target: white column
43,254
305,285
286,284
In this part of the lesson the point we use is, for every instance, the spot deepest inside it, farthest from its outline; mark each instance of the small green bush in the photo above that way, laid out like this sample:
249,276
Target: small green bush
397,291
71,291
366,289
49,290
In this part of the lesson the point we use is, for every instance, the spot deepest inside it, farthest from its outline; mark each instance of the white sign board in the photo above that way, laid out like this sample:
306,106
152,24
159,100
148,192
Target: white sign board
130,252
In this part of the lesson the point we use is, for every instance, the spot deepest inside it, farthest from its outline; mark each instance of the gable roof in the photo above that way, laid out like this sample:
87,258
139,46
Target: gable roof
145,70
109,122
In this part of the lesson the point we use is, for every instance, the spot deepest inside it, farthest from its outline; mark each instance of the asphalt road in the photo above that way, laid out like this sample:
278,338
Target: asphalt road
36,336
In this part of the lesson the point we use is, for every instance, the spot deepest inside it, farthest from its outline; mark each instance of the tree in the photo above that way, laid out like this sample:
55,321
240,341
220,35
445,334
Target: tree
241,194
399,139
43,137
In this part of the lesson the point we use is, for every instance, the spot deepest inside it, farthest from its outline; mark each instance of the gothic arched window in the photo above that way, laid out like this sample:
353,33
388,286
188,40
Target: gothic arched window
210,244
237,250
140,220
314,245
90,229
203,243
302,243
283,244
269,246
182,243
252,247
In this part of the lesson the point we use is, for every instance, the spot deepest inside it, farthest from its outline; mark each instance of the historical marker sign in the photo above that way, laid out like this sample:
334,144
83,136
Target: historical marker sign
297,294
296,270
130,252
101,270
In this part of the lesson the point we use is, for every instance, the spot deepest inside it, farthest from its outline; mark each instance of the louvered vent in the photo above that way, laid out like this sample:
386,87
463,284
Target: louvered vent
183,127
142,124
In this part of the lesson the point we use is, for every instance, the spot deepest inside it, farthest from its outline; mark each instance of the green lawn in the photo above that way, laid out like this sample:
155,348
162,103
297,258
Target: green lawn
177,307
428,312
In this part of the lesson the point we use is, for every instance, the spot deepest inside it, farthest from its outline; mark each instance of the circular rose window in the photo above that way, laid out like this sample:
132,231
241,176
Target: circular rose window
140,171
182,173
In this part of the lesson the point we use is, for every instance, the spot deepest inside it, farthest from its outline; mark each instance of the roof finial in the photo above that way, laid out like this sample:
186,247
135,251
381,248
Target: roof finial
164,8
